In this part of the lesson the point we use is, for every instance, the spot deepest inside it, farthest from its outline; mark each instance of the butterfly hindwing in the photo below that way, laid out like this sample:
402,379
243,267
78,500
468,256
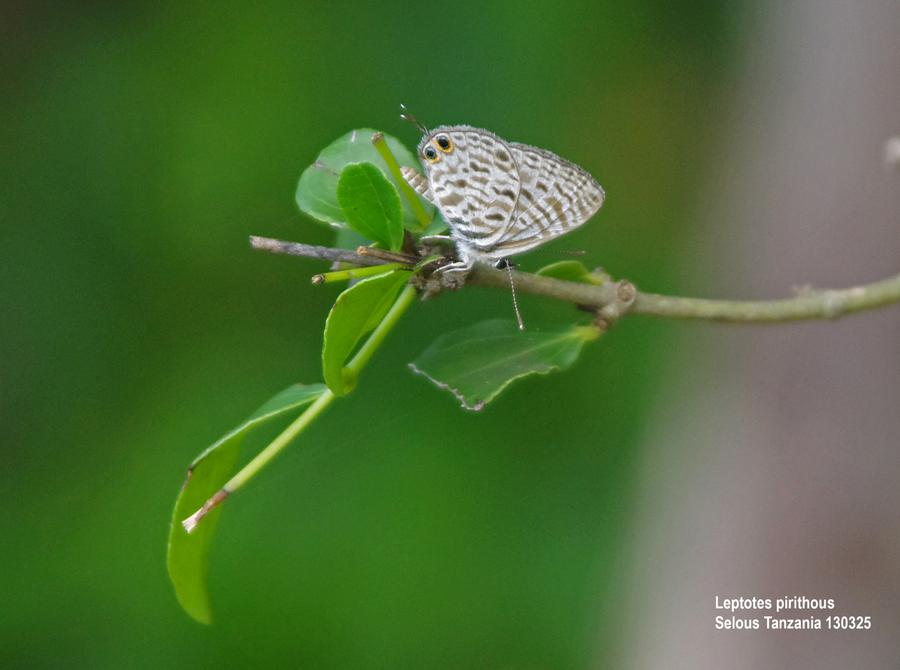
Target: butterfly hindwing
418,182
556,197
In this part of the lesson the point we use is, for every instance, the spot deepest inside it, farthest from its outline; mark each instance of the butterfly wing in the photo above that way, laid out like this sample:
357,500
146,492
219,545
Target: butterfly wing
555,197
476,187
418,182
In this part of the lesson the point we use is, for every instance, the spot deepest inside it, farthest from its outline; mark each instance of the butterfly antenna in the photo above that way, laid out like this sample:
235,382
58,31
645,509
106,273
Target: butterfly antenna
512,286
569,252
406,116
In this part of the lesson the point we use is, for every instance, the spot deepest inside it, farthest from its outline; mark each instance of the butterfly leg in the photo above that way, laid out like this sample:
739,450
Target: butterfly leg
456,269
453,275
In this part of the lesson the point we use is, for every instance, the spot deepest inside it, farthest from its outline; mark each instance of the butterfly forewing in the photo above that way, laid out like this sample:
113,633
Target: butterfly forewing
556,197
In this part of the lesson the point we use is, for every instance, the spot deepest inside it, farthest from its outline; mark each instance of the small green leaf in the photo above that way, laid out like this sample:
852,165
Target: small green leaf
317,190
356,312
476,363
188,555
570,271
371,204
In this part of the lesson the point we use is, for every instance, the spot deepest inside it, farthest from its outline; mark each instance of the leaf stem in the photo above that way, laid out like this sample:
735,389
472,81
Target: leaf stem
263,458
357,273
276,446
401,304
418,209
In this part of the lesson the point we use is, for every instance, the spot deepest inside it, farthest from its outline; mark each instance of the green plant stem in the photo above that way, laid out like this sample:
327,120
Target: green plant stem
401,304
276,446
810,304
411,197
356,273
264,457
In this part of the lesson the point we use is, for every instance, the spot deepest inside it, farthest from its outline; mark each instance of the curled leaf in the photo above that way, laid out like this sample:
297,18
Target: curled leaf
476,363
188,555
356,312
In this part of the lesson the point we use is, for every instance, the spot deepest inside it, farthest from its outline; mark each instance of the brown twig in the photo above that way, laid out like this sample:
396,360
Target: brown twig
310,251
811,304
386,256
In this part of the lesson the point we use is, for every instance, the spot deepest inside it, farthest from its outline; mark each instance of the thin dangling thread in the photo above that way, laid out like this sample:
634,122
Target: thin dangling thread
512,286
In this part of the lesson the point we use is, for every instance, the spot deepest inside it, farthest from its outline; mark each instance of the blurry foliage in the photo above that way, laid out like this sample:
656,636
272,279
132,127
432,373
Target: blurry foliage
141,144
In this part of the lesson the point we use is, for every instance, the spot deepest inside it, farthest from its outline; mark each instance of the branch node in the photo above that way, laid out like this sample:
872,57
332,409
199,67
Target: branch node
625,295
626,292
602,323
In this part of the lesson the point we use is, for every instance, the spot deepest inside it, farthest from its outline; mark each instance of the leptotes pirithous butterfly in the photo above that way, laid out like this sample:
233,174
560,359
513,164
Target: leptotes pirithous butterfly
499,198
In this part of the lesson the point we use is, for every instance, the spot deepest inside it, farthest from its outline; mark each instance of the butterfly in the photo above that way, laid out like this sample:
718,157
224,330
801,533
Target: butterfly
499,198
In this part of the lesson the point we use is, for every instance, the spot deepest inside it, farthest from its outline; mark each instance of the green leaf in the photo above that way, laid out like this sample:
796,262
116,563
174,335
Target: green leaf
570,271
188,555
317,190
371,204
437,225
476,363
356,312
347,238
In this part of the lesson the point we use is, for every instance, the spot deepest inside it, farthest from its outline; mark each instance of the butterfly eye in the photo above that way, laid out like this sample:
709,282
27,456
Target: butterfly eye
430,154
444,143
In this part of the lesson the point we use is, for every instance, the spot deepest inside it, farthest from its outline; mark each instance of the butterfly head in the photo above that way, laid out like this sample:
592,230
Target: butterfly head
437,146
441,147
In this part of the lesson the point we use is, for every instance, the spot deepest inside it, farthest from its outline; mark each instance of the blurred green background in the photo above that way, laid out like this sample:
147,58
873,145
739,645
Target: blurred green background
141,144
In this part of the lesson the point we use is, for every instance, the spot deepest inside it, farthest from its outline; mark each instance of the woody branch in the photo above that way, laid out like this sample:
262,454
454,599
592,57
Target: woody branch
808,304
